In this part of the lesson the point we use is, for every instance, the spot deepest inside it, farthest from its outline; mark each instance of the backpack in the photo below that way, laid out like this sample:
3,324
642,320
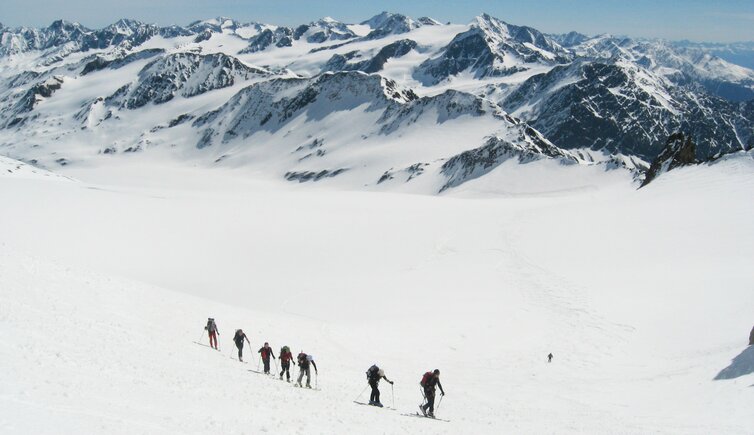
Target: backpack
373,372
425,379
285,349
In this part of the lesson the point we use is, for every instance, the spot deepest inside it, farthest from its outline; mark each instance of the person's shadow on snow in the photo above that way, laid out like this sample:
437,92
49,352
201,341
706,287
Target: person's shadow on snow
741,365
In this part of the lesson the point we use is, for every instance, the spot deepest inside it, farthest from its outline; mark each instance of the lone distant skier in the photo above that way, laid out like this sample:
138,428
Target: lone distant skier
304,363
212,332
238,339
266,352
549,357
374,375
429,381
286,358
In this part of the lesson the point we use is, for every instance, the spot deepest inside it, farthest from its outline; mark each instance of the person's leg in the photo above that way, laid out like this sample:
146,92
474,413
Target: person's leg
266,365
423,406
212,340
431,402
300,375
373,395
377,394
308,377
240,351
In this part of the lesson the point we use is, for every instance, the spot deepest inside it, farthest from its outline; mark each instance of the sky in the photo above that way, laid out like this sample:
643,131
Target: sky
696,20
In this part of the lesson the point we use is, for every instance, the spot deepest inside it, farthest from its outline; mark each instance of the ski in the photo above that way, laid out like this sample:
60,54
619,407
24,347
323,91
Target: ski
426,417
205,345
306,388
373,406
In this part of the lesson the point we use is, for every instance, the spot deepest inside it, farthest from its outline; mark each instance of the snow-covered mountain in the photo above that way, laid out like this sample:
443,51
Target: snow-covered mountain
400,92
492,47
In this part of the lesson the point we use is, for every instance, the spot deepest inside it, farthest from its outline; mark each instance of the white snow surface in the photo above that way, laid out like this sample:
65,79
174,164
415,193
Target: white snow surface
643,297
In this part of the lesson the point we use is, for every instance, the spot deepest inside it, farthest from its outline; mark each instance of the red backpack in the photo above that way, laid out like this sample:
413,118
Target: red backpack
425,379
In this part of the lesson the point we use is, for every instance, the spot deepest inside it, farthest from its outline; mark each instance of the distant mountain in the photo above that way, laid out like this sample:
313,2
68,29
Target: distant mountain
492,48
386,102
739,53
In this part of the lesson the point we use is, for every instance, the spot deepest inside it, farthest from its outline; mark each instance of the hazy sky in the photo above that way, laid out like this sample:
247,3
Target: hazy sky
701,20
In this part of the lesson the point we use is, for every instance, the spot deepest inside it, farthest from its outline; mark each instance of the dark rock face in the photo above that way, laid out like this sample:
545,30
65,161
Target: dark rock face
305,176
39,90
465,51
529,146
395,50
751,337
163,79
607,106
323,30
679,151
99,63
280,37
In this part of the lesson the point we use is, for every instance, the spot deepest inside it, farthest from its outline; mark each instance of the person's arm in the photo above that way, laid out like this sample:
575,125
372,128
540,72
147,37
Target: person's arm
440,385
388,380
247,339
260,350
272,352
315,366
291,358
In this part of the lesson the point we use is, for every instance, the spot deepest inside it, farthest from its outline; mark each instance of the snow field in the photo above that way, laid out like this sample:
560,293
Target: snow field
642,296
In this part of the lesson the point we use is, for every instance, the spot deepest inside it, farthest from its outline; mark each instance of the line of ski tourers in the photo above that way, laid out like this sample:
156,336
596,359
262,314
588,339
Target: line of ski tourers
429,382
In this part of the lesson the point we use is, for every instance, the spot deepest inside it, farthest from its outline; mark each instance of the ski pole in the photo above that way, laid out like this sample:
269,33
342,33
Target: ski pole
201,337
276,365
259,362
362,392
231,353
316,377
392,390
439,402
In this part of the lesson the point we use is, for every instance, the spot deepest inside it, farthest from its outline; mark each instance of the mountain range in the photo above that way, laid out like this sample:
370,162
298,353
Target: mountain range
384,102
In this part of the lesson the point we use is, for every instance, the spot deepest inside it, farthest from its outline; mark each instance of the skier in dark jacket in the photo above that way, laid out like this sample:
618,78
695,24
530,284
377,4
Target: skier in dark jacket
286,358
428,383
266,352
239,338
549,358
213,332
304,361
374,375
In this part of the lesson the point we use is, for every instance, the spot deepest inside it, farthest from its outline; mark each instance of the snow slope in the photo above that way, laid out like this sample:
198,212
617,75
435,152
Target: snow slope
643,297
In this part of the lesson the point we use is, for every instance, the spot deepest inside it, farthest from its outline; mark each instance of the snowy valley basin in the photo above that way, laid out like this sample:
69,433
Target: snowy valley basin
399,192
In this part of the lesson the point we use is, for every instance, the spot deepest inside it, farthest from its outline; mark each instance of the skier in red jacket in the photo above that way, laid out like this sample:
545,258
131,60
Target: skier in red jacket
266,352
